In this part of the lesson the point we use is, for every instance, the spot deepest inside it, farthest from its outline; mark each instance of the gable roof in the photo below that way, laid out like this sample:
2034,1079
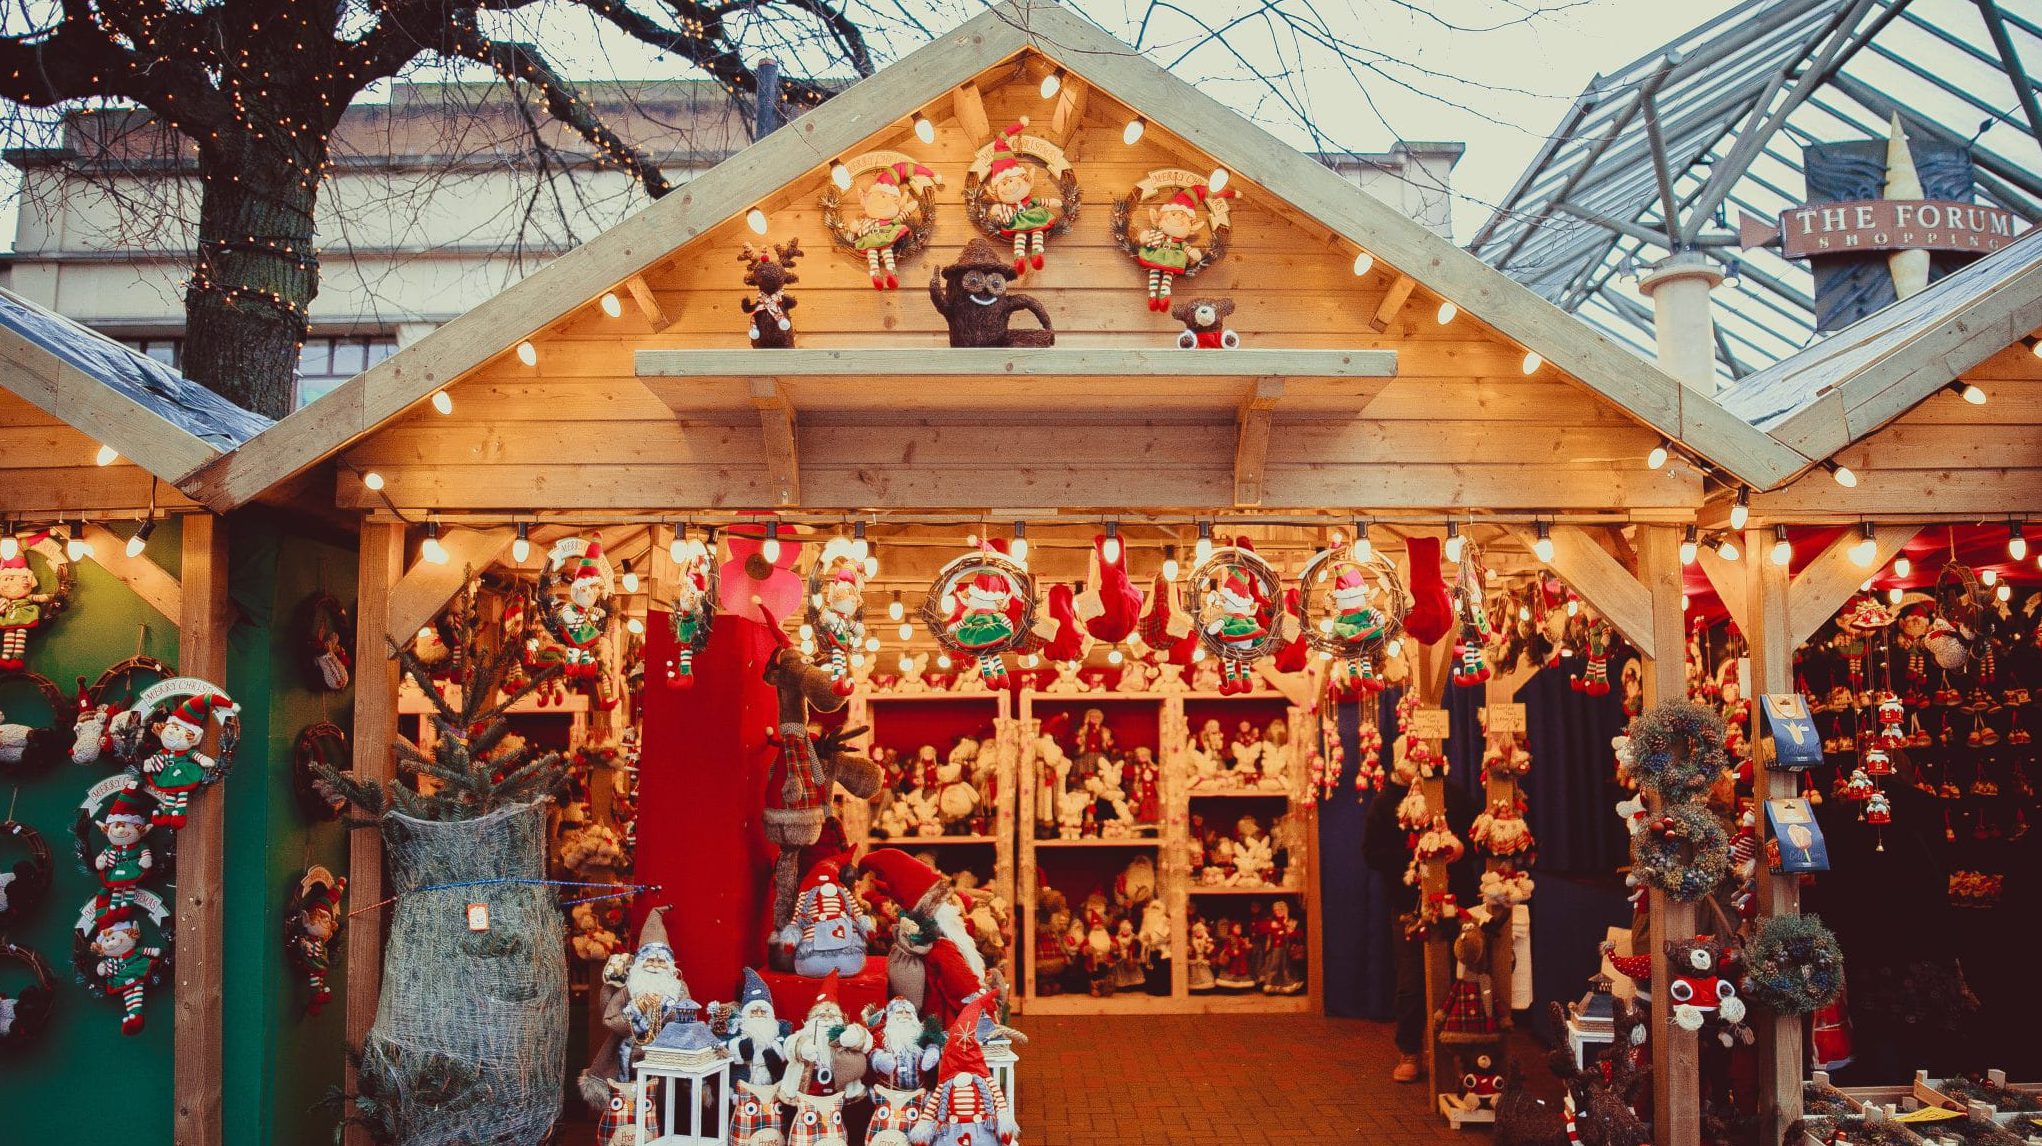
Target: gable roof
1851,384
845,122
150,414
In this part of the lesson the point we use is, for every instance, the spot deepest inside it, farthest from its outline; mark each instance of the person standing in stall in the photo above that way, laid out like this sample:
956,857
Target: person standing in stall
1386,847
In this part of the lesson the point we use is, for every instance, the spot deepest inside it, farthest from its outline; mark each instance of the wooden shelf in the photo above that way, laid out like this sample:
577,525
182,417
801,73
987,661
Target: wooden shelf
884,697
1040,698
1197,890
907,843
1212,1003
1237,793
1123,842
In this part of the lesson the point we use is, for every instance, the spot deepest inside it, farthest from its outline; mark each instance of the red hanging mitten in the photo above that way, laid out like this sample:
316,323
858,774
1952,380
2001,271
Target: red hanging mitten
1431,615
1110,605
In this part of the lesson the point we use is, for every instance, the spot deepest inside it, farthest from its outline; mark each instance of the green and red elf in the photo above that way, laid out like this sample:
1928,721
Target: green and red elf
124,965
173,773
125,861
1016,210
1166,248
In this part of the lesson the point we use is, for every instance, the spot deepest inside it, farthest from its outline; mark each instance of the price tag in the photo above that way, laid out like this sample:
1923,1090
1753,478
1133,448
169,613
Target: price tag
1431,723
478,917
1506,718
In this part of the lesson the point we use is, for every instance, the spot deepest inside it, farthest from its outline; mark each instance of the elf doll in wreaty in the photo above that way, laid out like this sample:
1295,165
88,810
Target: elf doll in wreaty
1016,210
1238,624
21,606
178,770
313,927
125,860
934,963
966,1107
985,617
125,967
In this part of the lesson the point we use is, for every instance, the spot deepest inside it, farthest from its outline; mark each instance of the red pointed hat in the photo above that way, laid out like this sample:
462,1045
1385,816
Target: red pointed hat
585,566
907,879
828,992
128,807
825,871
962,1053
1003,150
195,709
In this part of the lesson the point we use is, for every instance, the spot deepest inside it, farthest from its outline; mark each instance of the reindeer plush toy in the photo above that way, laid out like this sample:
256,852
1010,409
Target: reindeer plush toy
771,309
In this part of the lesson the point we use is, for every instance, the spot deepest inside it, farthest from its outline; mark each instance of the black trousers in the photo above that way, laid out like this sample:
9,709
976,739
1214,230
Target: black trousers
1409,1007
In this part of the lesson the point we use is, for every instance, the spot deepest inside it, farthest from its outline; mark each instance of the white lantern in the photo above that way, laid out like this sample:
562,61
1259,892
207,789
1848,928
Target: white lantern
695,1096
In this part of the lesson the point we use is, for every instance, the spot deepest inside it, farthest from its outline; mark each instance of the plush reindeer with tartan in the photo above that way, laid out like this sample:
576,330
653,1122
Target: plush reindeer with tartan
771,310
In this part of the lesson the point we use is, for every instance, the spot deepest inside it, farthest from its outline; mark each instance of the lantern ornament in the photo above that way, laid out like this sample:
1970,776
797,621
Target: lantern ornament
836,608
696,587
982,605
1351,610
1236,602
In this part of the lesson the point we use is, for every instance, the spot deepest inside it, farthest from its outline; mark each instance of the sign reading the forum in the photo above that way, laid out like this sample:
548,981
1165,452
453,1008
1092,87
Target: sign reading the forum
1887,225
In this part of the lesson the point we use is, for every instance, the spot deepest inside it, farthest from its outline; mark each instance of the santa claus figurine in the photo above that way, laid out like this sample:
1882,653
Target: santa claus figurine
654,994
966,1107
827,933
934,964
759,1042
179,769
827,1056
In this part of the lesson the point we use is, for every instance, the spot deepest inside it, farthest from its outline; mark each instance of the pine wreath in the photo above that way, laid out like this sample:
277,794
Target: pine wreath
1793,965
1683,852
1676,750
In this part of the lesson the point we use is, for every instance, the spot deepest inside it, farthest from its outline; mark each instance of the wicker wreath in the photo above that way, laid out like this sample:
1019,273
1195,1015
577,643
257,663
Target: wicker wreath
329,642
133,734
919,191
32,1003
87,840
1158,188
1332,572
978,208
944,605
30,876
837,576
107,689
324,744
1793,965
551,603
1683,852
155,914
51,602
1676,750
1204,598
26,748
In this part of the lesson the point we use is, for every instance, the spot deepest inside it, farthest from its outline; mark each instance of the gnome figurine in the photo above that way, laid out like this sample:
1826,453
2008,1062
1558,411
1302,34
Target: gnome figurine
759,1041
966,1107
906,1047
827,932
934,963
174,773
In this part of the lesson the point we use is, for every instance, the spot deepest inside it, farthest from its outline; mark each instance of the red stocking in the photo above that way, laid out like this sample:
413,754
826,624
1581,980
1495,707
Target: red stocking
1431,613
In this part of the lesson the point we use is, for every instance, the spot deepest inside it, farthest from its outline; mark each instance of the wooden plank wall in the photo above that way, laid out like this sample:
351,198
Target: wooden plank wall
46,466
1460,426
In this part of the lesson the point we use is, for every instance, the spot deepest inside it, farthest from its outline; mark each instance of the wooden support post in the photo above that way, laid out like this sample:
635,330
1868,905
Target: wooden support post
419,595
1728,578
1824,584
1393,301
1070,112
1251,449
776,427
970,109
380,563
1767,598
1585,563
1676,1074
199,1109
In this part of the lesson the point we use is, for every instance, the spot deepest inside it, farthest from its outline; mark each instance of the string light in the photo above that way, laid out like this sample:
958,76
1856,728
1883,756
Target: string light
1114,656
907,631
943,661
2017,545
1895,594
1453,542
374,481
10,546
1363,550
1783,550
1684,602
924,130
1543,547
1573,607
895,609
612,305
106,456
1109,550
431,549
840,175
907,663
1867,548
1689,544
78,549
1218,180
1363,263
1395,648
1052,83
771,549
1203,549
628,578
1447,313
1018,548
140,540
443,402
1740,511
756,220
1531,362
1170,563
1524,612
2034,346
1727,549
1989,576
806,632
1655,459
2004,593
871,644
1966,391
527,353
1902,566
861,549
1132,133
1842,473
521,549
635,627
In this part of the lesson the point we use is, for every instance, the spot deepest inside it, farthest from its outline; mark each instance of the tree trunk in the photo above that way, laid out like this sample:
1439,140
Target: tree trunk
254,275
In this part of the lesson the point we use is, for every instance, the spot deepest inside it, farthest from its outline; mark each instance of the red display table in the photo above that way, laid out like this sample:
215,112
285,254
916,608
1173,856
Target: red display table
794,994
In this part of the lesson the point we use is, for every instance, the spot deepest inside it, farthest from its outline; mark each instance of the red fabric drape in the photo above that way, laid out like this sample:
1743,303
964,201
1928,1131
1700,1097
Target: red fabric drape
702,783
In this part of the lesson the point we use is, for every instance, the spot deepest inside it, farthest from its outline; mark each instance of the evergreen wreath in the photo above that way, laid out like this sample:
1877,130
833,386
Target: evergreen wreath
1676,750
1683,852
1793,965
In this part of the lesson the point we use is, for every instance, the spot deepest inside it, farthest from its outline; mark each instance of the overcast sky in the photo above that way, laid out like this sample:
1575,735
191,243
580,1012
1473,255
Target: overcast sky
1494,74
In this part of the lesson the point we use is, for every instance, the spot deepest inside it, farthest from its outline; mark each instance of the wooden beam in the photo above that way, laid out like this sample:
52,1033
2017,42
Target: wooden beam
1771,656
1070,112
776,431
197,1090
1393,302
380,564
656,316
144,577
1824,584
427,588
1607,587
78,399
1251,448
1676,1071
1729,578
970,108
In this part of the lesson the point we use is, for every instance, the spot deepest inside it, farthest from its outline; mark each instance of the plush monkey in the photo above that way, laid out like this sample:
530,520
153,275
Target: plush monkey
1204,322
971,295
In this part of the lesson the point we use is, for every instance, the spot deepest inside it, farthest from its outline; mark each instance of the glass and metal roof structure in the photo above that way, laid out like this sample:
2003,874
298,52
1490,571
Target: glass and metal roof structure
1710,128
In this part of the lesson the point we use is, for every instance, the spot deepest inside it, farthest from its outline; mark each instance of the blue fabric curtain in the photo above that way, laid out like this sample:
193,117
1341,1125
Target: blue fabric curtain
1358,974
1571,787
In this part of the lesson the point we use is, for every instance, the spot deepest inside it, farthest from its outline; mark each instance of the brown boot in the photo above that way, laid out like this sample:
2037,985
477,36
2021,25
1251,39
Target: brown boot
1407,1069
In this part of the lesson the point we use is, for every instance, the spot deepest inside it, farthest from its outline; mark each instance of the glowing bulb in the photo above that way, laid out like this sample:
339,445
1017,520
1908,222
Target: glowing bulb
528,354
1783,550
841,176
806,632
1363,550
1395,647
1902,567
521,549
1109,550
1326,625
871,567
1531,362
771,550
1573,607
1656,459
426,633
907,663
1169,568
10,548
925,130
1203,549
1688,549
630,581
1989,576
431,550
1863,552
1447,312
895,610
1363,263
1894,595
78,549
1052,83
612,305
1454,543
1974,395
871,644
1727,550
857,659
907,631
1218,180
106,456
373,480
1018,550
1132,133
635,627
2005,592
140,540
943,661
2017,545
1524,612
1842,473
1029,661
756,220
1198,654
1114,657
1543,547
443,402
948,603
1740,511
1684,602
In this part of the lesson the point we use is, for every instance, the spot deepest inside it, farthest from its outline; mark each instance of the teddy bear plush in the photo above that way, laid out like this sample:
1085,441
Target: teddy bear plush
1204,322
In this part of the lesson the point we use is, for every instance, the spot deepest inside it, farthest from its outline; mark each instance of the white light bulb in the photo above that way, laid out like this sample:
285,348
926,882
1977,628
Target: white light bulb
1362,549
630,582
871,644
78,549
771,549
871,567
676,551
2017,547
1845,478
1396,647
1543,547
1687,552
1326,625
907,631
1727,550
106,456
443,402
895,610
1110,550
1974,395
806,632
1454,545
924,129
907,663
1902,567
1170,569
948,603
756,220
1114,657
373,480
1524,612
1894,595
1198,654
1447,313
1132,133
1203,549
1018,550
635,627
2005,592
1052,84
612,305
433,551
1656,459
1364,263
9,548
841,176
857,659
1989,576
1739,514
1029,661
860,549
521,550
1684,602
1531,363
528,354
1783,551
1863,553
1573,607
1218,180
943,661
136,544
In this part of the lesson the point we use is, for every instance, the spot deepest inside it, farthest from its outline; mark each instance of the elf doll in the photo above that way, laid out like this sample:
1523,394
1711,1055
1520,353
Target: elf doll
312,929
966,1107
1238,625
126,860
21,607
1017,212
124,966
693,612
985,616
581,616
176,771
1165,249
837,621
883,229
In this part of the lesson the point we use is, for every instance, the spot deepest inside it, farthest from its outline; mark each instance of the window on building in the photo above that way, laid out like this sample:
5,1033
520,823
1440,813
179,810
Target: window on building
325,363
168,351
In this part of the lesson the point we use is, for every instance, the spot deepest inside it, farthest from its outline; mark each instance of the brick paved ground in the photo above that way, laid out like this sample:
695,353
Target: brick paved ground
1219,1080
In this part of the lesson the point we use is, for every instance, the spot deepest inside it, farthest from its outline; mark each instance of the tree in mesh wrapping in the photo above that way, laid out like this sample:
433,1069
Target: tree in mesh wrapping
469,1043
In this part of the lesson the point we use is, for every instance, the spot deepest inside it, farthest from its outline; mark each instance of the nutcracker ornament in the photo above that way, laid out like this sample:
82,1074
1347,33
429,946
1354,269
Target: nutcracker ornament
123,951
836,609
982,605
312,920
771,309
694,608
177,768
1008,193
1352,609
26,603
1236,601
896,211
1173,226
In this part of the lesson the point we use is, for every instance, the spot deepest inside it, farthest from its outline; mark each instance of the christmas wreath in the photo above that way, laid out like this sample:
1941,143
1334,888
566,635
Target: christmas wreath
320,746
1793,965
1676,750
329,635
1683,852
24,882
25,747
25,1012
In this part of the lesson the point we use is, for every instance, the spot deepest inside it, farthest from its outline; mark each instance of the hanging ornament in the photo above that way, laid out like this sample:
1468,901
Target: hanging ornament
1236,601
312,920
324,744
1471,612
1173,226
1111,605
24,881
1958,628
329,634
1008,192
895,212
176,767
126,859
981,605
27,747
25,1008
1368,771
1594,680
836,609
1351,609
123,950
580,617
28,600
694,609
